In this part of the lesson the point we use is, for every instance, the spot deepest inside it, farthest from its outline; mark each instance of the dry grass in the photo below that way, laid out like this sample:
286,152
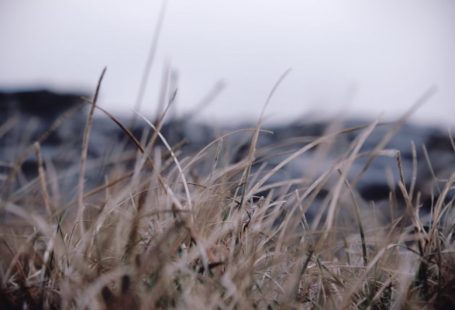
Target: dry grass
162,233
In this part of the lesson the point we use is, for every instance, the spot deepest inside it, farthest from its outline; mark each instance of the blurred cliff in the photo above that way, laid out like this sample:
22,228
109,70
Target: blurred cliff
57,121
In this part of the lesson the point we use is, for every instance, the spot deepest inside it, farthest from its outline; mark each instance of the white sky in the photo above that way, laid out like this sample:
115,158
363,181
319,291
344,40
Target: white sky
390,52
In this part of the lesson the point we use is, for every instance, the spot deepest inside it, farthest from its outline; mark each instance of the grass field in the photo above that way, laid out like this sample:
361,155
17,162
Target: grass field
173,231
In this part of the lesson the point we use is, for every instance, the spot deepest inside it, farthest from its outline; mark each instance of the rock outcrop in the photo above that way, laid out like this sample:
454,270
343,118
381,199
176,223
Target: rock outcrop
426,154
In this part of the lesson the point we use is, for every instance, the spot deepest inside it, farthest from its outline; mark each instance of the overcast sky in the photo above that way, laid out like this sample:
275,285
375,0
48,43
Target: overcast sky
358,57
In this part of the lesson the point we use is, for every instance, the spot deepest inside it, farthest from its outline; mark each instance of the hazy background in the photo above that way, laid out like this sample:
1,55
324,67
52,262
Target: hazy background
358,57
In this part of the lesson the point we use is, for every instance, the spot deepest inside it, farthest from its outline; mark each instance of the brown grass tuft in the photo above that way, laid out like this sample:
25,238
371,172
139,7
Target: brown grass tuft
164,233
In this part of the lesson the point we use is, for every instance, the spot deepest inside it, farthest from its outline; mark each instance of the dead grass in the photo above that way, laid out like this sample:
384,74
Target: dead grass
162,234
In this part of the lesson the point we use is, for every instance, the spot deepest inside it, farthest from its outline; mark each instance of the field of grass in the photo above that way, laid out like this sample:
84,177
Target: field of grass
171,231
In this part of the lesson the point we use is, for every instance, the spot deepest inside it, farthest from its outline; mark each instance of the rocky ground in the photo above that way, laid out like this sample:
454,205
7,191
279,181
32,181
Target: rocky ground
26,117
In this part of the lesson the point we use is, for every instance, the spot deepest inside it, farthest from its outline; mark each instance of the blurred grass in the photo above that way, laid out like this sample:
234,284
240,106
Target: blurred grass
206,232
162,235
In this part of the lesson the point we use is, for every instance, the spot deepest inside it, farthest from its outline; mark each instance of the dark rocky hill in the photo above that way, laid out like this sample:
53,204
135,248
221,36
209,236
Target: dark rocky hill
57,121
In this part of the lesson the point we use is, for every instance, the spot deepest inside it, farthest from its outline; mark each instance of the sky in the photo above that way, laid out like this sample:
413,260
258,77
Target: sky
347,57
